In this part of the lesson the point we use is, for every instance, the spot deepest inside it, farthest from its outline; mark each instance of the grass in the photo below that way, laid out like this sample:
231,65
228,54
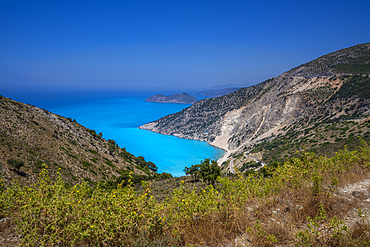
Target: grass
296,203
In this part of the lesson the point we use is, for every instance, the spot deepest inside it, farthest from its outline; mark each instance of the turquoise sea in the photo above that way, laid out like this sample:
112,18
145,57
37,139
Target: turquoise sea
118,117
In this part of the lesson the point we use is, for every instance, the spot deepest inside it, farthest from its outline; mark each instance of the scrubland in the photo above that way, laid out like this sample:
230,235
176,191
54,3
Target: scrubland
309,200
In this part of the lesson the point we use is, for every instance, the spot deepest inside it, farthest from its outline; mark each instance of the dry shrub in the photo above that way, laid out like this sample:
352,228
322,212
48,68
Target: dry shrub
294,204
360,234
215,229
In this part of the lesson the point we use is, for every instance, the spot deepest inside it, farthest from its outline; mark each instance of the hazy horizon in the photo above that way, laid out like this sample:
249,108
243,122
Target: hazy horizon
167,45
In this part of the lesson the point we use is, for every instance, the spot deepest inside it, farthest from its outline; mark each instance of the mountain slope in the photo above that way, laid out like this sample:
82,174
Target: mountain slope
31,137
294,100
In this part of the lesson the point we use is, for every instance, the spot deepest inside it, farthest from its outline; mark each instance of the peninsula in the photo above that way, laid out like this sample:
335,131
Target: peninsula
180,98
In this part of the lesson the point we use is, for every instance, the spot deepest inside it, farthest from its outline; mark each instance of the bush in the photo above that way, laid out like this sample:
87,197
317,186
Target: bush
209,171
269,211
17,164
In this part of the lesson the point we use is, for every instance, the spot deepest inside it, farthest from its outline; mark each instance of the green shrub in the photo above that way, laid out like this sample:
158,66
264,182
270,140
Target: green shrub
49,213
17,164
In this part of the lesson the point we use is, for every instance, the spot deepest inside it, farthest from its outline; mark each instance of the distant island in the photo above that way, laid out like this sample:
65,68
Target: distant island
181,98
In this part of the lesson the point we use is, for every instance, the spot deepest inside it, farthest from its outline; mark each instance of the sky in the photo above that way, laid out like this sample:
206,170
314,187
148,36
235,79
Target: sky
168,45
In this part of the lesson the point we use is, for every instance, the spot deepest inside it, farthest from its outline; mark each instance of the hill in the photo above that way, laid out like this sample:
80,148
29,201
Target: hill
307,200
31,138
180,98
318,104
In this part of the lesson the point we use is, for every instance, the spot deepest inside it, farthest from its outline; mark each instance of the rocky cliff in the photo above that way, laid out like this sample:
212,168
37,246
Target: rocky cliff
329,86
180,98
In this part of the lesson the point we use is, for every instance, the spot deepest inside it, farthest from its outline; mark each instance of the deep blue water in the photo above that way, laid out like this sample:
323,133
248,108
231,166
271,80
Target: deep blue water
118,116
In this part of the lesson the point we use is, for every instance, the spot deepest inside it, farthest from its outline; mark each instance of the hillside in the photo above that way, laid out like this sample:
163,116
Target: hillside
31,137
299,198
179,98
307,201
333,88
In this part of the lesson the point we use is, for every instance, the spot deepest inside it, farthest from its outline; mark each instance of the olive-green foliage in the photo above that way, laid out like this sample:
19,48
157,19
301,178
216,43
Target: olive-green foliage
318,232
249,165
109,163
209,170
49,214
192,170
357,67
269,169
355,85
17,164
164,175
140,160
111,146
93,133
128,177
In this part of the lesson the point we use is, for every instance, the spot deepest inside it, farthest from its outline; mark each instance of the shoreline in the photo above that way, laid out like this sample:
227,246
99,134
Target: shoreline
219,161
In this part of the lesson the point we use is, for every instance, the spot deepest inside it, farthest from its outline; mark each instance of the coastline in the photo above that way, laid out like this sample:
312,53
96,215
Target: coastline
224,157
170,102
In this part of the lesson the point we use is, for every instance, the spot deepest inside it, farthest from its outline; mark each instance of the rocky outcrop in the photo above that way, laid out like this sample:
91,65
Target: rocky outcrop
250,114
180,98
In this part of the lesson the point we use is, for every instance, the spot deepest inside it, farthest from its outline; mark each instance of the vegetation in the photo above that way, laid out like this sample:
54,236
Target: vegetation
299,202
353,68
249,165
17,164
91,192
356,85
207,170
323,135
140,160
30,137
353,60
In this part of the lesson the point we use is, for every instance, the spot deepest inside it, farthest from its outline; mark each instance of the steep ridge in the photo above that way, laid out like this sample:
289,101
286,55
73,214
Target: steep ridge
290,101
31,138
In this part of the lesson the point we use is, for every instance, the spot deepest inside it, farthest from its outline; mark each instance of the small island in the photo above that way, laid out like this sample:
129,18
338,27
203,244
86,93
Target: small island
180,98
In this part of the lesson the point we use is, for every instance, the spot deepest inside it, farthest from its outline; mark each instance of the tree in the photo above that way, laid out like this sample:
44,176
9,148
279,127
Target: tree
111,148
152,166
193,170
209,171
164,175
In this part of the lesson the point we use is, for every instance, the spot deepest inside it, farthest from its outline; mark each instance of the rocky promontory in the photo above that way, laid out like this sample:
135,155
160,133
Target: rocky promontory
180,98
331,89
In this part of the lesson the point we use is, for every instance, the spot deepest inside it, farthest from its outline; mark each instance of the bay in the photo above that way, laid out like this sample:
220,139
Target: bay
118,117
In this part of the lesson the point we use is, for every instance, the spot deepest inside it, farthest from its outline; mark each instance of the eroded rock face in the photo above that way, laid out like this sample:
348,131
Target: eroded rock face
250,114
238,118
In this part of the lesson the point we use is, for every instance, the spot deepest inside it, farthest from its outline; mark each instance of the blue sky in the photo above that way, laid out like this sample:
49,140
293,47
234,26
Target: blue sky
168,45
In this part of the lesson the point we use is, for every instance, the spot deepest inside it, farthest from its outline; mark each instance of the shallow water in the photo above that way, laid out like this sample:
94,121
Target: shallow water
118,117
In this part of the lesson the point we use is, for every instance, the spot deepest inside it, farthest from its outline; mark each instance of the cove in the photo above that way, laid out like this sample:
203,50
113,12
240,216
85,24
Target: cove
118,118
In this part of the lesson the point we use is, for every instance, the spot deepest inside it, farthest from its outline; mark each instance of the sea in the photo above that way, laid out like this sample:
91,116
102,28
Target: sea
118,115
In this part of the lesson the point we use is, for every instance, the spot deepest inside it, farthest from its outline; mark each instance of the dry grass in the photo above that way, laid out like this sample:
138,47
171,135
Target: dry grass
285,214
311,201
